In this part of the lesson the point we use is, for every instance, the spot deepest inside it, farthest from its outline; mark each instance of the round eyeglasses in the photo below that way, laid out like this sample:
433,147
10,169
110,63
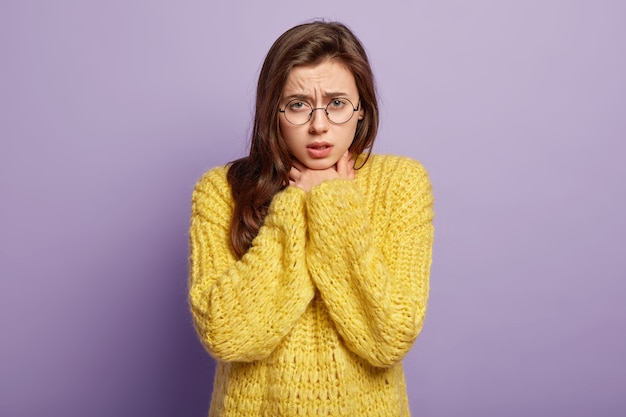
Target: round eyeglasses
338,111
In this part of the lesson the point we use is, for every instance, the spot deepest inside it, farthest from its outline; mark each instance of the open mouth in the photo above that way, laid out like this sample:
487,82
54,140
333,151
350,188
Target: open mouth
319,146
319,150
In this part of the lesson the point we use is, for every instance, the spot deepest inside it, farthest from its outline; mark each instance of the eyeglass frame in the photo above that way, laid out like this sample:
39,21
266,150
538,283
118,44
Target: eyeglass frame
354,110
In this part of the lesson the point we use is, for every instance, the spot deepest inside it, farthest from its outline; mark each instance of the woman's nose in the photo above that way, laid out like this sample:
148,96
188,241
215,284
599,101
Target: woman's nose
319,121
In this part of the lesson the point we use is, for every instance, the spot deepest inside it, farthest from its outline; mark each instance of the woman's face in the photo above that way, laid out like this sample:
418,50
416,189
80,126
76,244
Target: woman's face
319,143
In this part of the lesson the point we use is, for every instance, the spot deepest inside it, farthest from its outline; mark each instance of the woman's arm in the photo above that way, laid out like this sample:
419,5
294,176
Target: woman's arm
243,308
374,282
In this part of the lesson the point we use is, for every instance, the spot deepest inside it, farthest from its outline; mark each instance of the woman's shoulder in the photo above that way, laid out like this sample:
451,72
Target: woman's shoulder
214,177
393,166
396,180
213,184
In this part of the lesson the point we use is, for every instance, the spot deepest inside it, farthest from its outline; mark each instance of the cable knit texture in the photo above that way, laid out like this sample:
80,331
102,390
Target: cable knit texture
316,317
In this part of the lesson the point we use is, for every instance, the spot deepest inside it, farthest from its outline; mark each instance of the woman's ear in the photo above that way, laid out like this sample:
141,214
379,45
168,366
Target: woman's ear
361,113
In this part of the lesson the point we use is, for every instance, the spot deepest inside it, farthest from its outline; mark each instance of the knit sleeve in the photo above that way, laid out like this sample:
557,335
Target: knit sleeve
375,285
243,308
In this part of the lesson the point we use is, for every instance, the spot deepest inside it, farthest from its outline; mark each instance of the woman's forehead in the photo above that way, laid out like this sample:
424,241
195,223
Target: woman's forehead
326,79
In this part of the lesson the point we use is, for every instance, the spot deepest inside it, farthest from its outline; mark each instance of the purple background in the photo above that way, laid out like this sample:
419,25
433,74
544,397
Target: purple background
111,110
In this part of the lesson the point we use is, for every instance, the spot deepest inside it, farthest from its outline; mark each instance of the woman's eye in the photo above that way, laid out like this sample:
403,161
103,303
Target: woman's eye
337,102
297,105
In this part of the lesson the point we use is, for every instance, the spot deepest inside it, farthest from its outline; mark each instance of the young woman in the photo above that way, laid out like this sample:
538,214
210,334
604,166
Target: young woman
310,257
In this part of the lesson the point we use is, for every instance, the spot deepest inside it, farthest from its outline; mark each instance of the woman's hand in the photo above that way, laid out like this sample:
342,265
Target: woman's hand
305,178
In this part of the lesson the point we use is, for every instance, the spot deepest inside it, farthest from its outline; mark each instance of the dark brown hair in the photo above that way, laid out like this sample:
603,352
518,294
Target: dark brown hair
257,178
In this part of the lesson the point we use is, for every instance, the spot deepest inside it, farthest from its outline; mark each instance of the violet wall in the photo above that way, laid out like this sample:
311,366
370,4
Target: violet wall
111,110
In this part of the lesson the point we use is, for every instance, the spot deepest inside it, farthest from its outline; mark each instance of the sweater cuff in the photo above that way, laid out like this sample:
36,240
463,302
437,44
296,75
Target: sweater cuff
286,208
336,215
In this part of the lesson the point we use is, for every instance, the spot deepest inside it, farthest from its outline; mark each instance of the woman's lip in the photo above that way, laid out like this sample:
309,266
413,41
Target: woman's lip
319,149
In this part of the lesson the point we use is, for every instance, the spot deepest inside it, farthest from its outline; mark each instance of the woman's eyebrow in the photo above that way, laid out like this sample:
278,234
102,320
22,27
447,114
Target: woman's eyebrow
328,94
332,94
297,96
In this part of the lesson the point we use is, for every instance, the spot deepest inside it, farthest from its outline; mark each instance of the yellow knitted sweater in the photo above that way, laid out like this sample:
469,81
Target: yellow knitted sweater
315,318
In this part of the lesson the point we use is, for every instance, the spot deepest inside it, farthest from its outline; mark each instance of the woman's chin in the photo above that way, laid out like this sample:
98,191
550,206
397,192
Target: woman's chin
319,165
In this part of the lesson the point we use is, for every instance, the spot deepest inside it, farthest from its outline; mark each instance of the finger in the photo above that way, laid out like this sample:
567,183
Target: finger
298,165
350,161
343,166
294,175
293,169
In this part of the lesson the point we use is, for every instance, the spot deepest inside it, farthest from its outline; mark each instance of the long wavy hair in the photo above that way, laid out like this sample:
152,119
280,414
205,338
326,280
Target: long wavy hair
257,178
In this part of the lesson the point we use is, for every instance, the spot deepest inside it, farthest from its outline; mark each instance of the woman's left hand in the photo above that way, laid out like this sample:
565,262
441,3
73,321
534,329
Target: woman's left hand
306,178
